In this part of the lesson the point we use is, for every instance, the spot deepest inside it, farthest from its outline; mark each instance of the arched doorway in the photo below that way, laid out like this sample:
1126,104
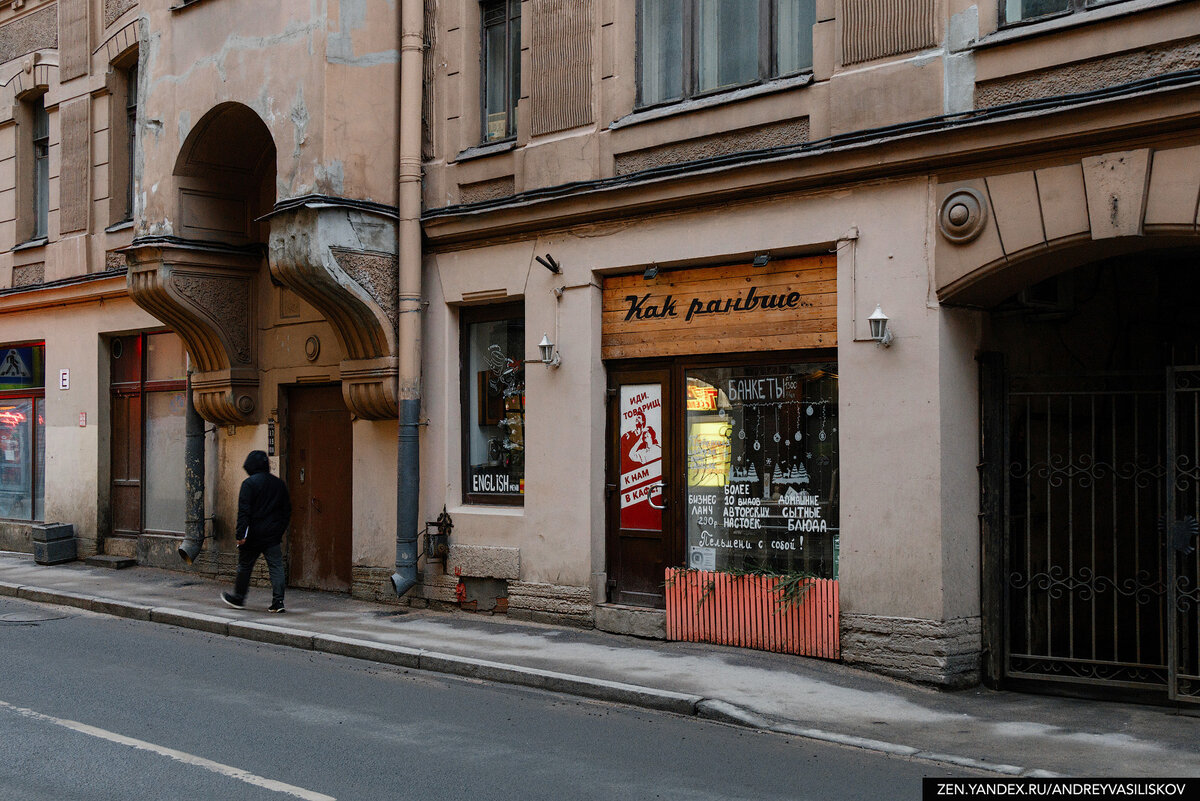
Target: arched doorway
1091,418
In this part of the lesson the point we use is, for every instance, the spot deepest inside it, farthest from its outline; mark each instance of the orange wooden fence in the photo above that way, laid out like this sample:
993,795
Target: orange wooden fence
746,611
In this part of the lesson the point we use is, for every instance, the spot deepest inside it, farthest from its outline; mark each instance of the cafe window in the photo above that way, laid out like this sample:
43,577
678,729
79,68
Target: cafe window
762,468
688,48
22,431
493,401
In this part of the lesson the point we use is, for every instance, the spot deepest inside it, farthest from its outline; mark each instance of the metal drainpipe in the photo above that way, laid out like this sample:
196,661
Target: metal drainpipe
412,43
193,480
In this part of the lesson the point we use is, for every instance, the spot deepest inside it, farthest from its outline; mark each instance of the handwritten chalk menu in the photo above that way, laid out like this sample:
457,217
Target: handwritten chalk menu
762,468
789,304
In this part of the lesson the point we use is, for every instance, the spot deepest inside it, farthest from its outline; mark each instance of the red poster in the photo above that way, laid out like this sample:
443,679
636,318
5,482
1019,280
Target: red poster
641,457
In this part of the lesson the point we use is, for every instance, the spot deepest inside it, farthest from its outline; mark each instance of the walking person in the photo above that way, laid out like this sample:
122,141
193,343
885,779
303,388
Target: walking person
264,510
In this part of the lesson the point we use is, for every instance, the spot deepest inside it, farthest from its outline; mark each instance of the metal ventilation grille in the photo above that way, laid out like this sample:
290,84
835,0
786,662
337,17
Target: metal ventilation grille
877,28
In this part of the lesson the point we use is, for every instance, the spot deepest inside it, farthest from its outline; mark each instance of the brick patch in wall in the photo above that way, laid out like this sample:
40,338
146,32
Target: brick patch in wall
1085,76
943,653
776,134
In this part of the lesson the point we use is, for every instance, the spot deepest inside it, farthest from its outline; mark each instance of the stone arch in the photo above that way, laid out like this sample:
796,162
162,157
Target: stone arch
999,233
201,279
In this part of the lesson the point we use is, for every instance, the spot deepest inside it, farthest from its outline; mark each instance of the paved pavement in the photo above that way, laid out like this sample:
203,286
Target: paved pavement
999,732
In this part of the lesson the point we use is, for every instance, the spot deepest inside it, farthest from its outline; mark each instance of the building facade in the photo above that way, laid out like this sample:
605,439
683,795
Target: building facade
644,275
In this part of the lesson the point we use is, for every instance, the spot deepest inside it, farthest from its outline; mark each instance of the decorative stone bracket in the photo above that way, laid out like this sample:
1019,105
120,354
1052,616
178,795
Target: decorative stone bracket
206,294
342,260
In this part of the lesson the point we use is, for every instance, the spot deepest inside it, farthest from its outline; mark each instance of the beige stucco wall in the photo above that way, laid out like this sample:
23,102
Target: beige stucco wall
321,77
908,489
76,463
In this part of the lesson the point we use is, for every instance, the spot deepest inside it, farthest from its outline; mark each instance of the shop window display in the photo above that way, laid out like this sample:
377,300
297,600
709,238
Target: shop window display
493,407
762,467
22,431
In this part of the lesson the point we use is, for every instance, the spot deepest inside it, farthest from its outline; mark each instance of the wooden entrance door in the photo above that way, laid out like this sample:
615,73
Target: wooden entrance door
319,478
642,483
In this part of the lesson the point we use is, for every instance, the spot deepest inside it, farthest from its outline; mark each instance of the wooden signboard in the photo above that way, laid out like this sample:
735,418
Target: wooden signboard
789,304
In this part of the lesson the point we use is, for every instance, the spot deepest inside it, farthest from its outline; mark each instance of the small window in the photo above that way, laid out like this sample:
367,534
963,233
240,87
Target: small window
688,48
501,68
493,398
22,431
123,94
41,166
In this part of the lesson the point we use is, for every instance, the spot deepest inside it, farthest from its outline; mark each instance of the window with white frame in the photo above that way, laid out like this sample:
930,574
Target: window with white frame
688,48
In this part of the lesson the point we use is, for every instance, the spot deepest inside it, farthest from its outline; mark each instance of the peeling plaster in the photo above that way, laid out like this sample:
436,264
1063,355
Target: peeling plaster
234,44
352,16
185,125
299,116
331,179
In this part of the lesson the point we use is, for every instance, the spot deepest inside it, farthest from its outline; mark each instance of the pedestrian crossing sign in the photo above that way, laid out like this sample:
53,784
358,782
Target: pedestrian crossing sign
22,367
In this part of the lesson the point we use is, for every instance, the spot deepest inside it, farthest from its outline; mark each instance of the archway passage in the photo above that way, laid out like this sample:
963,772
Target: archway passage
1095,479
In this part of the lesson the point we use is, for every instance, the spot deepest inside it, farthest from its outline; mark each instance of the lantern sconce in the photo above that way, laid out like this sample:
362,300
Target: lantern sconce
881,332
549,351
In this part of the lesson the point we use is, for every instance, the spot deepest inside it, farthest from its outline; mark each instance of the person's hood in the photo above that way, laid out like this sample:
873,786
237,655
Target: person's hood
256,462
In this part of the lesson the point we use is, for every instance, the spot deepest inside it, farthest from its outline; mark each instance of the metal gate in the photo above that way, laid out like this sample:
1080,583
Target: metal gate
1100,587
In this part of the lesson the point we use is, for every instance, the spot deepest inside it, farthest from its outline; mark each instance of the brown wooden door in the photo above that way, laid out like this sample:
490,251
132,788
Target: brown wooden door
643,486
319,478
126,463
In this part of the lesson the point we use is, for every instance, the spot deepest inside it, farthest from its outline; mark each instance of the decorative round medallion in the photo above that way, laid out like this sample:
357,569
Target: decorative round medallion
312,348
245,404
963,215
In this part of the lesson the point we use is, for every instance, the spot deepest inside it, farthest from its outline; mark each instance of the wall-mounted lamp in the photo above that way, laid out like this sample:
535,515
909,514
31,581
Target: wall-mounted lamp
880,331
549,263
762,259
651,271
549,351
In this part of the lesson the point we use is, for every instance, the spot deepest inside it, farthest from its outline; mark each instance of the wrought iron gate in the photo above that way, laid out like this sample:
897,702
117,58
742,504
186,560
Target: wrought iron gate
1099,587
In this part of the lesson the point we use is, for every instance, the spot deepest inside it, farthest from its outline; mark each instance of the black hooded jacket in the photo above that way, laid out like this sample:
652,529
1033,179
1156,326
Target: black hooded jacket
263,503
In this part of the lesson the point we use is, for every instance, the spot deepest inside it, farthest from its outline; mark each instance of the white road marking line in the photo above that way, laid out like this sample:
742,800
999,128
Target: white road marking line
180,756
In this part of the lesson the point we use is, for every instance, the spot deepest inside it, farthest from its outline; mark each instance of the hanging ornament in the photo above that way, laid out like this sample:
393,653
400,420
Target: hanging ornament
757,445
797,436
741,433
809,411
777,437
821,436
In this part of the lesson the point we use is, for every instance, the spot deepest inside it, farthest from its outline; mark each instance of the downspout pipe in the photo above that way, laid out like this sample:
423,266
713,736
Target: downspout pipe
193,480
408,230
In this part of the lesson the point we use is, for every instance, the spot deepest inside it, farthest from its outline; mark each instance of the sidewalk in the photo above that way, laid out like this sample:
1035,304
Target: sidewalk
1005,733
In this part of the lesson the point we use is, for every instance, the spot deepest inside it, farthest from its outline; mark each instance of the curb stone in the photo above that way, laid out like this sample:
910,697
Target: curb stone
467,667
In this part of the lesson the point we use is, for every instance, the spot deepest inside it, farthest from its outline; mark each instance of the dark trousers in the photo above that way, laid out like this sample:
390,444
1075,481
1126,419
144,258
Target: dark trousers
247,555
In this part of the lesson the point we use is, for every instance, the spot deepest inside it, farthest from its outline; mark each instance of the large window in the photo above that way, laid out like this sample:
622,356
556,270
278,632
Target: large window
493,398
22,431
762,468
688,48
149,407
501,68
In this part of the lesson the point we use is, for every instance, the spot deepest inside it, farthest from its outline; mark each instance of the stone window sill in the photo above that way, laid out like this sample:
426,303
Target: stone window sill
640,116
483,151
31,244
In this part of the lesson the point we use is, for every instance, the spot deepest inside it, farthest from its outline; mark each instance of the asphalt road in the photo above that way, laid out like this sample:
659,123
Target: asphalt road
93,707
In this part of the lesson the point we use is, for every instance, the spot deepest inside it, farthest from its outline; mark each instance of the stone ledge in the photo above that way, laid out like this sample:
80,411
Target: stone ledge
942,653
484,561
634,621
